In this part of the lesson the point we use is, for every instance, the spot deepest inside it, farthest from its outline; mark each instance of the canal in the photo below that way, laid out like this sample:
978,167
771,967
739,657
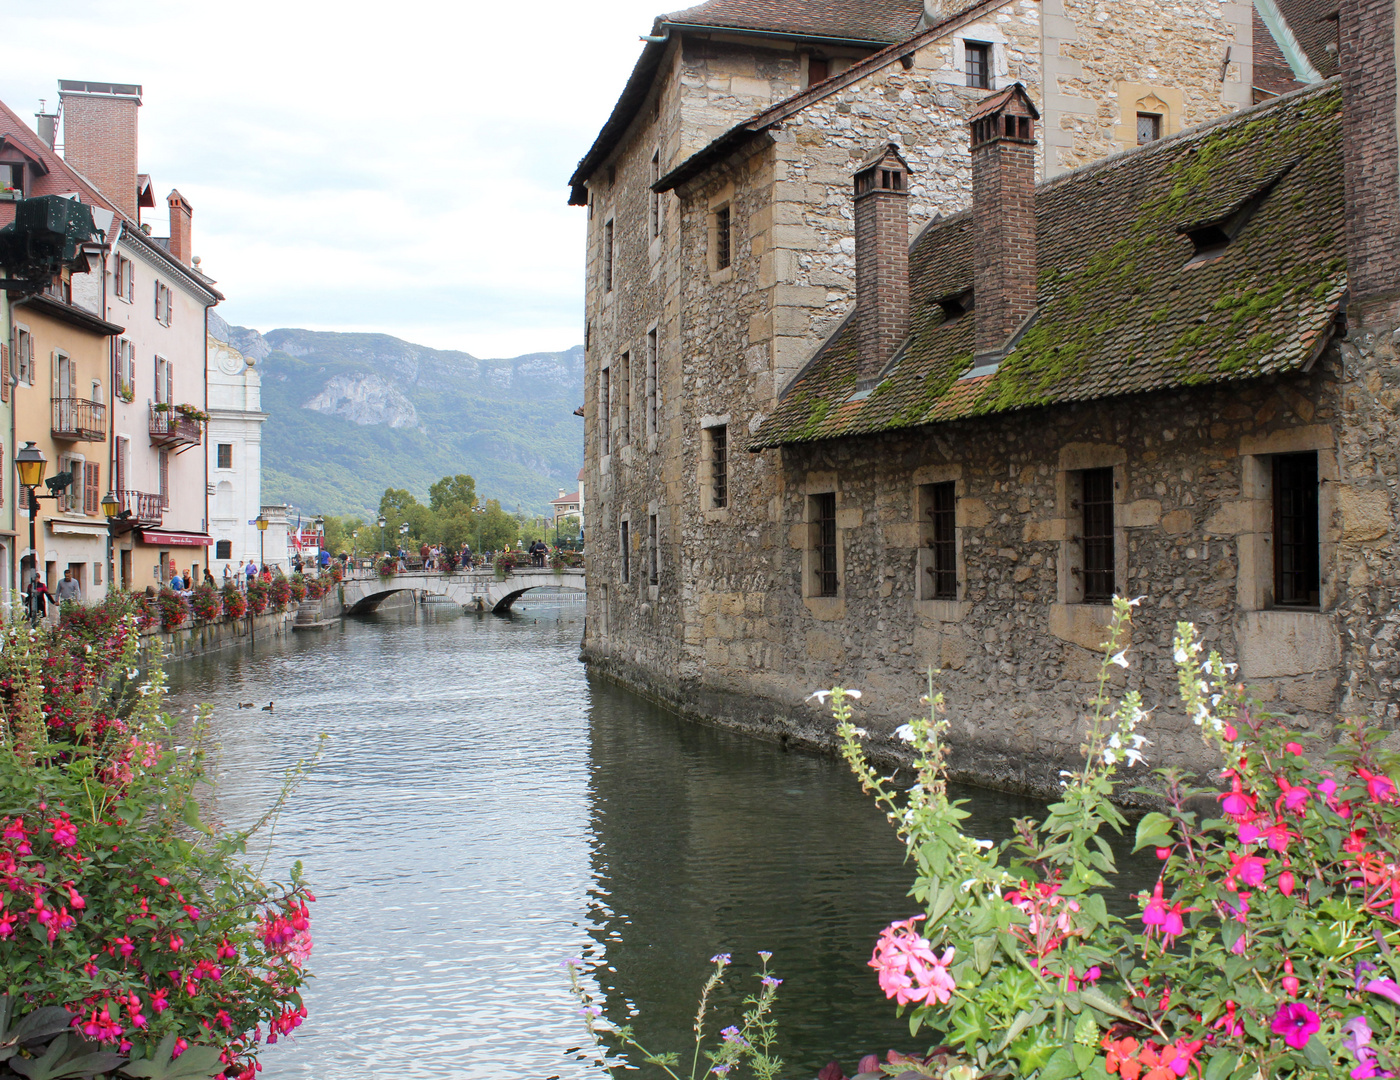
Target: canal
484,810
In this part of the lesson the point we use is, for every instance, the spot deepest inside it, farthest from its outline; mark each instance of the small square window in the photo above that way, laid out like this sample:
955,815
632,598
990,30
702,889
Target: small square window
979,64
1149,127
223,549
225,455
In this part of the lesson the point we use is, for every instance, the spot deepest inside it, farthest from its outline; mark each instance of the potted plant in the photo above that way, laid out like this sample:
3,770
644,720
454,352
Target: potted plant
235,605
299,587
281,592
171,605
387,566
206,603
259,595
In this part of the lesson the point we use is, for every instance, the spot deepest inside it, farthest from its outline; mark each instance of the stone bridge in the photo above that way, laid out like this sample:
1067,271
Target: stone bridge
475,589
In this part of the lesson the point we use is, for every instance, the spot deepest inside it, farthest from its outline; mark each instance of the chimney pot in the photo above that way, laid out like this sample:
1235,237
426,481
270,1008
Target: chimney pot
882,261
1003,217
180,213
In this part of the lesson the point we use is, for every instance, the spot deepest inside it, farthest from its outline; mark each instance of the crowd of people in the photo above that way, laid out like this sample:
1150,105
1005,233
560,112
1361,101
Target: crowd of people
440,557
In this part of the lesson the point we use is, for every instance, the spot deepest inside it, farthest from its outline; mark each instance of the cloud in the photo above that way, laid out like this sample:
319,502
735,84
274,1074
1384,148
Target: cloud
356,166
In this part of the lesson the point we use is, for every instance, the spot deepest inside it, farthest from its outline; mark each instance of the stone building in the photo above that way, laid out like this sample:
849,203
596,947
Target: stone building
766,165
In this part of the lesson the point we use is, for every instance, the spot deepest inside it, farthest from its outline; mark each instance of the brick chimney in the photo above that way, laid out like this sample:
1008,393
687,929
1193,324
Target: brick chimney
180,212
882,261
99,137
1370,146
1003,216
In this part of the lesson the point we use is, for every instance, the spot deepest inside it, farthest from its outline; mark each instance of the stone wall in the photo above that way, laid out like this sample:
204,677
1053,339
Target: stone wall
198,638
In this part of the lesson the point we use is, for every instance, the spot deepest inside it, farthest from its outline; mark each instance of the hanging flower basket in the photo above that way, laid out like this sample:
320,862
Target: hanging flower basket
206,603
259,595
235,605
173,612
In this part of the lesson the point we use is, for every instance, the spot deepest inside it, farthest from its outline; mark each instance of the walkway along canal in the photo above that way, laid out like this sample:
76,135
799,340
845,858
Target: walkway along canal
484,810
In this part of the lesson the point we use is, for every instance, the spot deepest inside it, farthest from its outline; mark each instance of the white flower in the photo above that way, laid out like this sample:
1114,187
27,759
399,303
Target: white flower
131,673
1135,601
1132,757
1139,741
967,885
820,695
1121,659
985,845
1066,772
1179,655
1109,757
1232,668
905,732
861,733
853,693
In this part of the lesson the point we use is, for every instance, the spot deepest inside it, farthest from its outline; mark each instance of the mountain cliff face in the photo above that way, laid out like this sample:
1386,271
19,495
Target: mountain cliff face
352,414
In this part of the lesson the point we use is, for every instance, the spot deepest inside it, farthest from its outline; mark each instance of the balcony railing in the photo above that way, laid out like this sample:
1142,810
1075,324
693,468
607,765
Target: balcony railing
75,418
144,506
172,427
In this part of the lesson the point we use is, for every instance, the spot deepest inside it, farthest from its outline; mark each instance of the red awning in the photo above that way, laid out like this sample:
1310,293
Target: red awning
161,538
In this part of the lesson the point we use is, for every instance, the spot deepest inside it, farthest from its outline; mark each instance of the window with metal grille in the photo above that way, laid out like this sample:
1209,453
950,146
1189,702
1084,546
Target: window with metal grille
605,410
626,552
608,255
1297,566
940,503
223,549
979,64
165,479
1096,503
624,400
651,383
722,246
823,512
655,197
719,466
1149,127
653,553
225,455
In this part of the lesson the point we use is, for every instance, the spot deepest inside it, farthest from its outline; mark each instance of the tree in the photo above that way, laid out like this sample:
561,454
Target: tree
497,527
452,492
396,501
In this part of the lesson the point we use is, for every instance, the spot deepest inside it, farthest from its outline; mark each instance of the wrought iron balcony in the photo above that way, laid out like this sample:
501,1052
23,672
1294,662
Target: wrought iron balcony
170,427
145,507
75,418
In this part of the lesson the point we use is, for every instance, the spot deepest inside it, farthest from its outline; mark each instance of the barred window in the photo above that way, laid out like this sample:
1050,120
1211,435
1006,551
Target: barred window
605,412
1149,127
626,552
719,467
653,556
722,244
940,507
608,255
1096,502
1297,566
823,515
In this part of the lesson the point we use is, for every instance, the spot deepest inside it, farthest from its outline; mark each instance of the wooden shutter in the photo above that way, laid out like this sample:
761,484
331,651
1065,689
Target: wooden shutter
170,382
4,372
91,499
167,307
53,358
165,479
123,445
157,291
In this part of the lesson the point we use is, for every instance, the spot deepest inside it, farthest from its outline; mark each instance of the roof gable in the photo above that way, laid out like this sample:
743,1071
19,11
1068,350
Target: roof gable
1124,306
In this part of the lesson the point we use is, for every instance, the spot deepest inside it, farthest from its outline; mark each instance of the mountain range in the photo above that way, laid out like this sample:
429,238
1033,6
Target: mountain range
352,414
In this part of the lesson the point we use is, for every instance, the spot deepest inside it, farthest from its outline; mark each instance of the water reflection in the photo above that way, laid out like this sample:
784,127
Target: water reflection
484,810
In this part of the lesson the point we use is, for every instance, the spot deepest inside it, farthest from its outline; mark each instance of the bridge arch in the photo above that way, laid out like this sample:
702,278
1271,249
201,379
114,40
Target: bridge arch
479,590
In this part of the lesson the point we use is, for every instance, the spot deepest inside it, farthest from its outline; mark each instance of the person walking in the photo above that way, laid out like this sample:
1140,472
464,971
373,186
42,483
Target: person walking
36,598
68,589
251,571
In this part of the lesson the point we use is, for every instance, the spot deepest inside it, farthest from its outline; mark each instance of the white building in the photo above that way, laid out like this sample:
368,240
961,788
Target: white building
235,451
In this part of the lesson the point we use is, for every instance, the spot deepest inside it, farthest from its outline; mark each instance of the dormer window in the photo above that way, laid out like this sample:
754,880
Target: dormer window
11,180
1209,239
957,305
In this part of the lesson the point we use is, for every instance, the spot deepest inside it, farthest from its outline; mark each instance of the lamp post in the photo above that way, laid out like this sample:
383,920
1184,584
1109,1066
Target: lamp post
479,511
30,463
320,524
383,544
261,522
110,508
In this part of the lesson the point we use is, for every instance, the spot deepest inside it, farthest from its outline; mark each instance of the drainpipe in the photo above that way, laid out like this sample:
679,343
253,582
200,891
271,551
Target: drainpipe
657,39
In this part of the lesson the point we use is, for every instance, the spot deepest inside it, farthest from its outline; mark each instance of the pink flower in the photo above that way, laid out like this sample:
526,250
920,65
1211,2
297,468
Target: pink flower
1286,883
1386,988
1381,789
1293,748
1296,1023
63,832
1295,798
1248,868
908,969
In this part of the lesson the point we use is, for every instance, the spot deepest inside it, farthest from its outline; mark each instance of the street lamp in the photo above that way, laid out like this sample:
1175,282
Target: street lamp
320,524
478,510
31,463
383,544
261,522
110,508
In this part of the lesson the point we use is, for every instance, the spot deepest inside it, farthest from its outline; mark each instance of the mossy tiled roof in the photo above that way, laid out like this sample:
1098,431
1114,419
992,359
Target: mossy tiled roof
1120,309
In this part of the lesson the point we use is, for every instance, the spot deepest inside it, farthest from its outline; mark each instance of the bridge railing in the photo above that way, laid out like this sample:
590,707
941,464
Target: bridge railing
364,569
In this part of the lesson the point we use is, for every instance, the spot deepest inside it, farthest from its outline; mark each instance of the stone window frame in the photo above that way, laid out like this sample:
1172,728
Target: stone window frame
656,209
1167,102
1070,619
722,199
652,349
1254,527
609,257
825,608
943,610
605,432
711,512
623,391
653,557
625,541
981,33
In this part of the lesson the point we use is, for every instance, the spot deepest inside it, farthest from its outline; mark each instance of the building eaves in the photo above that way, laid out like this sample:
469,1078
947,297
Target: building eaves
664,28
71,314
1124,308
737,136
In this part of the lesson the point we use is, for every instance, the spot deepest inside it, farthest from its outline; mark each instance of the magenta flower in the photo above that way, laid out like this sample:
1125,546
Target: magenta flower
1296,1023
1380,788
1386,988
1249,869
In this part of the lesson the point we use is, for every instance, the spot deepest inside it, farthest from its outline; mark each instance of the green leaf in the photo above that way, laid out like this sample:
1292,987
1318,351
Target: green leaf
1220,1066
1061,1066
940,906
1317,1054
1152,831
1086,1032
190,814
196,1063
983,949
41,1024
1083,1055
1035,1051
1096,1000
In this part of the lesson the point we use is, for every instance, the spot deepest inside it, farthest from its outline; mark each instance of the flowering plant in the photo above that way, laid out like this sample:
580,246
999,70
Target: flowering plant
129,929
749,1041
126,393
192,412
281,592
298,587
259,595
337,572
206,602
1268,944
386,566
235,606
171,605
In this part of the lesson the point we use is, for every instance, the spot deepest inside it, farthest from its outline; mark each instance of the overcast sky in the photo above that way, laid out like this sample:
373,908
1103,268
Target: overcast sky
397,167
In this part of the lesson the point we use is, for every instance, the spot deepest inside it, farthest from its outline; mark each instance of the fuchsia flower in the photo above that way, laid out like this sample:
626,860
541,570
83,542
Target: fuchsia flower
1386,988
1237,804
1293,748
1247,868
1160,917
1295,797
1296,1023
1380,788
